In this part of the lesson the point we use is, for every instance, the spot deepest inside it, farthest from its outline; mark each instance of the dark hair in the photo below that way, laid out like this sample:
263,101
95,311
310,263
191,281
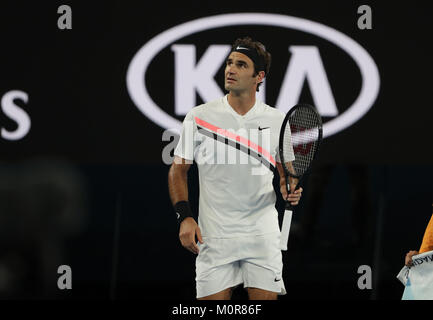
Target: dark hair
261,51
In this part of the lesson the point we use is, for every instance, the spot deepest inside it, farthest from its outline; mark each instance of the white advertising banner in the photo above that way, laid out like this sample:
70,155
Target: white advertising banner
418,279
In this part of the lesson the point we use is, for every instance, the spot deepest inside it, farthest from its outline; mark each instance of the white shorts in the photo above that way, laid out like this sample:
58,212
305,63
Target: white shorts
254,261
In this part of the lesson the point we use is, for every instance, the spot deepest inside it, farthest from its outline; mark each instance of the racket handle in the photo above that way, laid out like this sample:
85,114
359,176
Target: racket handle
285,229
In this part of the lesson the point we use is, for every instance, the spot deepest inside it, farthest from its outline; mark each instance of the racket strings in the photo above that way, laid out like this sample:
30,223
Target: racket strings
302,131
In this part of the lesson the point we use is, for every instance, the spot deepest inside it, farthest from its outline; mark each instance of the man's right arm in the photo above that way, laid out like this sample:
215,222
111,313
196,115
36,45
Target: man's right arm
178,180
178,189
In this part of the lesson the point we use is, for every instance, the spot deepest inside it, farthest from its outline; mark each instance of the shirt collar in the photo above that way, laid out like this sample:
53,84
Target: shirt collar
250,112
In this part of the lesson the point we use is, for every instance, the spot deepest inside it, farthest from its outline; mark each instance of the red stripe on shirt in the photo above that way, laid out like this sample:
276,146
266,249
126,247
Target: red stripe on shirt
237,138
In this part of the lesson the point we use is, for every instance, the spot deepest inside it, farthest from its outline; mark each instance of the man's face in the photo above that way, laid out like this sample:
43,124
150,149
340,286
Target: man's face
239,73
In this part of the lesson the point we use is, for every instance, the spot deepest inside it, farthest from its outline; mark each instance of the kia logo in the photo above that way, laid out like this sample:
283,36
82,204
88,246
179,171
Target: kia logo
305,65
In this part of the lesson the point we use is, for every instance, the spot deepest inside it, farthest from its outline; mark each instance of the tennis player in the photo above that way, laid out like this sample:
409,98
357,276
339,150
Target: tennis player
238,233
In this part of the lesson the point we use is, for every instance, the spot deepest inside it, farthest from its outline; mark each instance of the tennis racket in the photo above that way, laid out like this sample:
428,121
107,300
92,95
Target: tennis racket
300,135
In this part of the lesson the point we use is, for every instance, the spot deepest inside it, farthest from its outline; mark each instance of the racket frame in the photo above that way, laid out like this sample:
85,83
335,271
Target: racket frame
288,207
287,173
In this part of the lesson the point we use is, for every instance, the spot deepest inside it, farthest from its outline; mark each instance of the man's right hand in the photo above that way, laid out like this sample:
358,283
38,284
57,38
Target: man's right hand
187,232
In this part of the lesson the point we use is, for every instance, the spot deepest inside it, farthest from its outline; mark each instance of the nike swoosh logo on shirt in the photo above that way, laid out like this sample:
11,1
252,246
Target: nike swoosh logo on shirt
260,129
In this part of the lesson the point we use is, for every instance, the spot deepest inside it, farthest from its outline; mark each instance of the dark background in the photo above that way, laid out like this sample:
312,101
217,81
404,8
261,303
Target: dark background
87,187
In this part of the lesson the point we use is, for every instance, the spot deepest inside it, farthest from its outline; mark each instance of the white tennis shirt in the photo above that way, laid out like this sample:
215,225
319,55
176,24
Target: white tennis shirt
236,156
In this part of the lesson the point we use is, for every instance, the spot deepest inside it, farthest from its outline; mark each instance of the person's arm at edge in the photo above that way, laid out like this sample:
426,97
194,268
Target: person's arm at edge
426,245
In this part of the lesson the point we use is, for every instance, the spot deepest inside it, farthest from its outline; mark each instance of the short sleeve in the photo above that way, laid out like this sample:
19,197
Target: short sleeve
427,241
187,142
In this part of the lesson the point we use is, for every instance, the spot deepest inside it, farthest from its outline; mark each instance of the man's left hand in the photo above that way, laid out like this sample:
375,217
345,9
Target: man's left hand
293,197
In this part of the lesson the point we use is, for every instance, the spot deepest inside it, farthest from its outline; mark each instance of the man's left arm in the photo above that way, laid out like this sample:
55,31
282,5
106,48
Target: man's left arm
295,195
